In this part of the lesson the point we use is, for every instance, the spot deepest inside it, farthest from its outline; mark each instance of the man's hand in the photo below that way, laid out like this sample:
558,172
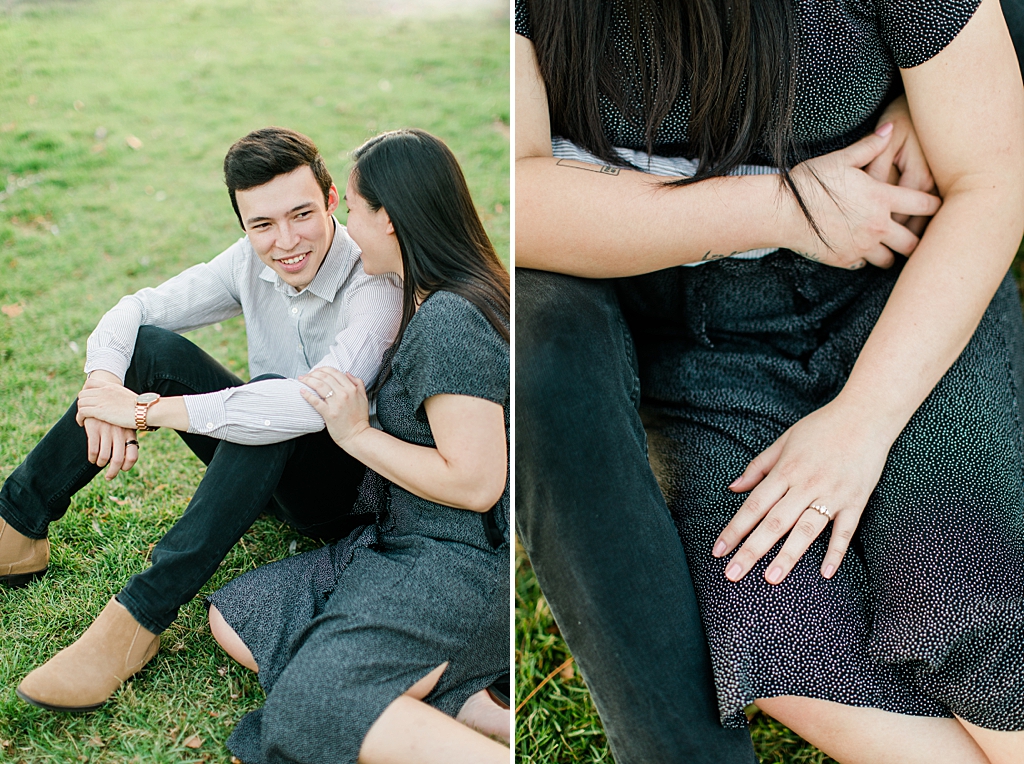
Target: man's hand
108,443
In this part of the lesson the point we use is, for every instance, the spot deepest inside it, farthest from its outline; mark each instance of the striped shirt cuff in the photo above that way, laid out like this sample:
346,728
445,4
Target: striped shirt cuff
207,414
107,359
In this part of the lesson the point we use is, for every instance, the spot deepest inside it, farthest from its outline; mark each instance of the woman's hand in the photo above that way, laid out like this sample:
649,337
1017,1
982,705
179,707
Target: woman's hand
853,210
902,162
831,458
342,402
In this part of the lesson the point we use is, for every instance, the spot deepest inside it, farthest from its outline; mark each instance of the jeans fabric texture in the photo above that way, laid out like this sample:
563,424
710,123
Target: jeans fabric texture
308,482
595,524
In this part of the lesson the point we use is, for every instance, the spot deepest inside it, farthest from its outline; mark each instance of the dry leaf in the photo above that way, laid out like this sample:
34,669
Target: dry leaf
95,741
96,527
117,501
567,672
194,742
13,310
222,670
78,105
235,760
160,487
133,142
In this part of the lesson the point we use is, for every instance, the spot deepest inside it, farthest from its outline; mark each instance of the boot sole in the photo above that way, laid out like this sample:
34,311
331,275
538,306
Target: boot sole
48,707
18,580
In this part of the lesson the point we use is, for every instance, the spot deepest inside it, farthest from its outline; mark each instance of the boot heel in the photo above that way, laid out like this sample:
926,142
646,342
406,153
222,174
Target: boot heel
18,580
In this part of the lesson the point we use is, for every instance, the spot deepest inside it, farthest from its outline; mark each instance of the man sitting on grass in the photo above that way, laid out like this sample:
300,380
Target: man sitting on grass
297,279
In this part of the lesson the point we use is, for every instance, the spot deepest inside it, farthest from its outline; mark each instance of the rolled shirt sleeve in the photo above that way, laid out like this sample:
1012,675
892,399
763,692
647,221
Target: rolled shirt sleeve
203,294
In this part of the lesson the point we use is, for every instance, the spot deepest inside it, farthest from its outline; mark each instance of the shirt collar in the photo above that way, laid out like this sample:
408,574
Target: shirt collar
337,265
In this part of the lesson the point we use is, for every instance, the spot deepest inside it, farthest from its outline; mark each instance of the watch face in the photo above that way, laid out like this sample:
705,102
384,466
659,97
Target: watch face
147,398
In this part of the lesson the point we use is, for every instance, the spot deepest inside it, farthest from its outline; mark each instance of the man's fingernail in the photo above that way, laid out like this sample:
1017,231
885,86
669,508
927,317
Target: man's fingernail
774,575
719,549
733,571
884,130
829,570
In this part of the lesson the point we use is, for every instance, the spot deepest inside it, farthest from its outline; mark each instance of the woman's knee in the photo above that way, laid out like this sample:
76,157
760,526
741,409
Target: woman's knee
229,640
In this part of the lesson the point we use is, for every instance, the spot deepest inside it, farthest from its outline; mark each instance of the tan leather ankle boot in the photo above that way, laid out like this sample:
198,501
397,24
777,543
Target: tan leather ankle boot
22,559
83,676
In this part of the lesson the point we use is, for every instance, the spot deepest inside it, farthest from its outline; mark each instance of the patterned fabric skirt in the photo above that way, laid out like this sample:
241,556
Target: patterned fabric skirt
925,616
340,632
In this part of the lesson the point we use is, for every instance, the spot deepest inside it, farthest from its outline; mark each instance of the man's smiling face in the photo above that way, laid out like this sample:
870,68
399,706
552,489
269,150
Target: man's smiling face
288,224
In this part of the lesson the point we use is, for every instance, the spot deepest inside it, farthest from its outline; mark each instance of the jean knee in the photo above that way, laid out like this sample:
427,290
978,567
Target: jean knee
570,335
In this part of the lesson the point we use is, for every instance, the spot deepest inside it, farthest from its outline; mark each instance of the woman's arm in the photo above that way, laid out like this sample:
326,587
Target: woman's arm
573,218
968,106
468,468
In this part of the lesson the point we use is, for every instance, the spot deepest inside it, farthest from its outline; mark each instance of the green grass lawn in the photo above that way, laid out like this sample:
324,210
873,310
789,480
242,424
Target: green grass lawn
114,121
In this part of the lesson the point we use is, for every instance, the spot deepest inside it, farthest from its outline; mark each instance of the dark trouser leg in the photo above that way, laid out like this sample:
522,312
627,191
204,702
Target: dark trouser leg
315,483
1013,11
39,491
598,533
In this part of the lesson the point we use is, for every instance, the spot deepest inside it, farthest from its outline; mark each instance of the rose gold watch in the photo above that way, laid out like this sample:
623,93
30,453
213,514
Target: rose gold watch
142,404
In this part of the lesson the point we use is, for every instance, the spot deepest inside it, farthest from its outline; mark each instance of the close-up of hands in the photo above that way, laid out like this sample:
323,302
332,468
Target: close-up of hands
340,399
106,409
823,467
856,209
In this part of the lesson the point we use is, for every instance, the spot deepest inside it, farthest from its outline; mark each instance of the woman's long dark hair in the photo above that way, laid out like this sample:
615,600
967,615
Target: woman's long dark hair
417,180
737,55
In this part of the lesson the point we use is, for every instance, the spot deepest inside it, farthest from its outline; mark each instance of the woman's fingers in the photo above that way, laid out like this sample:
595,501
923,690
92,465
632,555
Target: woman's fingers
910,201
316,402
750,513
808,527
843,528
880,256
759,466
131,453
863,152
776,524
900,239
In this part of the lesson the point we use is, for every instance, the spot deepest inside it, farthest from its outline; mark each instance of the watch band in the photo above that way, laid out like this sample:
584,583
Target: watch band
142,404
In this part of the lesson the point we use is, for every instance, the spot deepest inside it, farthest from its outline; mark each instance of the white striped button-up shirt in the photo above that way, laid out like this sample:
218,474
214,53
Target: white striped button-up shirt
344,318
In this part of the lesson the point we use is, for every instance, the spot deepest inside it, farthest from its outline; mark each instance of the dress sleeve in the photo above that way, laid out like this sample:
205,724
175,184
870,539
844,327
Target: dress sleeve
917,30
450,347
523,19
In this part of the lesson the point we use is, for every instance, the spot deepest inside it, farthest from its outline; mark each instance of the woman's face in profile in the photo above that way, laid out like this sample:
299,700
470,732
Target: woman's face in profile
373,232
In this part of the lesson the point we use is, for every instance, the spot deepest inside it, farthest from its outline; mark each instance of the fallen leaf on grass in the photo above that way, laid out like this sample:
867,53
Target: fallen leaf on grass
567,672
194,742
12,310
160,487
119,502
235,760
96,527
133,142
222,670
95,741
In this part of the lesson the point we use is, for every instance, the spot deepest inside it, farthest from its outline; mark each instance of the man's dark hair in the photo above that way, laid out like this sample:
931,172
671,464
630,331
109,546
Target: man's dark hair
264,154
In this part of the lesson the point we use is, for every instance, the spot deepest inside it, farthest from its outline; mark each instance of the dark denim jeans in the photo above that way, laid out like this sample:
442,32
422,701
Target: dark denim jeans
595,524
308,482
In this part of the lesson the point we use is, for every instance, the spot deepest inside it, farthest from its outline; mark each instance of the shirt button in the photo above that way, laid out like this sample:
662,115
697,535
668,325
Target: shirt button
267,423
295,310
209,425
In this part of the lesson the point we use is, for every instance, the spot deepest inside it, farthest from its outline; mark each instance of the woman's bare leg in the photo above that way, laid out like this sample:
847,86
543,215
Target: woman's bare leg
1000,747
411,732
228,639
487,717
852,735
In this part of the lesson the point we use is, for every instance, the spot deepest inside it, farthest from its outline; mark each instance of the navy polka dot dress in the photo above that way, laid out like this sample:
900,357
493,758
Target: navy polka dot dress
926,614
